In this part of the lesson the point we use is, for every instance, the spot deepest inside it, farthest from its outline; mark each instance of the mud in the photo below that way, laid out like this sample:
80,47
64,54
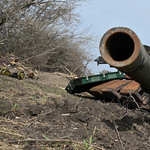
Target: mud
35,115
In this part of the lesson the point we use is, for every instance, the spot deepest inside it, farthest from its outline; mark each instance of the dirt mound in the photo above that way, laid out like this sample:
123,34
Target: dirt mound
56,79
37,114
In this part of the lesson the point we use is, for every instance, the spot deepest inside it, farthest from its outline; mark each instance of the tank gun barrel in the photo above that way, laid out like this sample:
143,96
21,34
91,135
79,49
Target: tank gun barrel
121,48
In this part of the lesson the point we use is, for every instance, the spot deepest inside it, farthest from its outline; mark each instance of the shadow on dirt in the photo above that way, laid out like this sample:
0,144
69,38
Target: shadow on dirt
126,104
126,123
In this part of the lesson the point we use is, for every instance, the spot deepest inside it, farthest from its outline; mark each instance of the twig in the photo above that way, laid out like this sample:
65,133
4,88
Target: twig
3,40
51,140
38,140
76,68
86,131
135,101
43,53
71,73
118,136
146,144
25,6
12,133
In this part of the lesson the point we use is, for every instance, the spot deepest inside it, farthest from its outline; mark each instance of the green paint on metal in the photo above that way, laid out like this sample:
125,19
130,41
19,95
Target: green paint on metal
85,83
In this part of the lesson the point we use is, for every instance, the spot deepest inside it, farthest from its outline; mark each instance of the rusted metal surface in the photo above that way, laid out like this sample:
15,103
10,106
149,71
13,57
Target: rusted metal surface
121,48
126,91
109,90
96,89
131,88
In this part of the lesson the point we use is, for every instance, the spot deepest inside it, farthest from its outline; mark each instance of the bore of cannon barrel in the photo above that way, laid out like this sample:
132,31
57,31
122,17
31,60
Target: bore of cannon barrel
120,46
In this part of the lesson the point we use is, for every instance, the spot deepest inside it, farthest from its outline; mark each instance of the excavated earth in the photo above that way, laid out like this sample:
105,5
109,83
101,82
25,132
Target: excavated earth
38,114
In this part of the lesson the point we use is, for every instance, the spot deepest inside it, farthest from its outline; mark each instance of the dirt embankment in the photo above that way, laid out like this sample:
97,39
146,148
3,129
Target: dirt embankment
39,114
